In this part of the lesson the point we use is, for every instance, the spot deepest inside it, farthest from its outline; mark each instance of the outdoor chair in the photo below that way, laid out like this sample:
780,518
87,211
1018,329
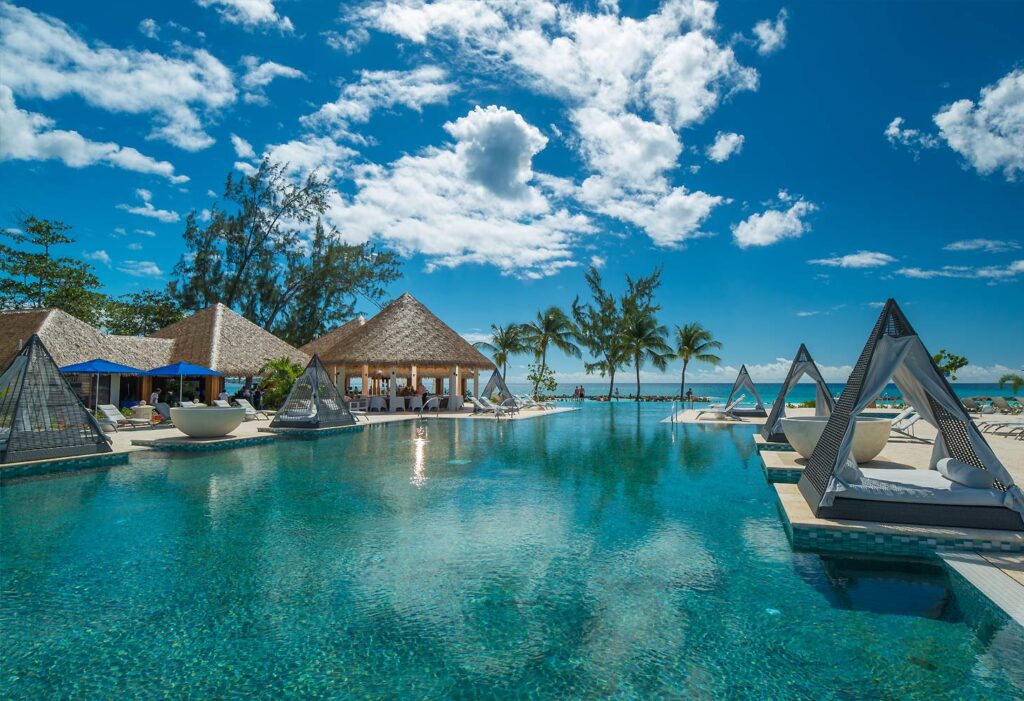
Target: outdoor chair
723,411
223,404
115,418
251,412
971,405
906,429
415,403
377,404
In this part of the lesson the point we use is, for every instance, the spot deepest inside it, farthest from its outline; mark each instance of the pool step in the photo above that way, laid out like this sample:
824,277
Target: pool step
998,577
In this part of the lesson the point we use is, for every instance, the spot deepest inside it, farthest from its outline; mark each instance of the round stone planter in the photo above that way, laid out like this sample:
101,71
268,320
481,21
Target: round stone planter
207,421
869,436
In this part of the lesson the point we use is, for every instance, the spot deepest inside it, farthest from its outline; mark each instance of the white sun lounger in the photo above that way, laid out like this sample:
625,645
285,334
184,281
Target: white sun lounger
113,417
724,411
251,412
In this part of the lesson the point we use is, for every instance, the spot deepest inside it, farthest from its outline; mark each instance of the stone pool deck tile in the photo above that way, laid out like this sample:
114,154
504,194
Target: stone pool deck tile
999,577
807,531
184,444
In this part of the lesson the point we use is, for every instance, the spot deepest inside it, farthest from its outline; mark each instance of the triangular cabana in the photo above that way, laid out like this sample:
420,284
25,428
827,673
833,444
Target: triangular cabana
313,402
496,385
744,383
835,488
803,364
41,416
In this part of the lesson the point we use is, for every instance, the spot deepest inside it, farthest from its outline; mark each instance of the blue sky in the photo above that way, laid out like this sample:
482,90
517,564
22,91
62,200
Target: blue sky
790,165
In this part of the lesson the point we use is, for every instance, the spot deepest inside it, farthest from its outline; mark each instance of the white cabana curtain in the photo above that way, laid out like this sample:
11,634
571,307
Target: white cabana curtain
823,397
906,362
744,382
496,385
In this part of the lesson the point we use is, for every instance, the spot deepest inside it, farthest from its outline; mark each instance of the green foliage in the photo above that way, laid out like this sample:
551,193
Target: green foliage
141,313
254,258
694,342
506,341
552,327
598,323
31,277
640,334
276,380
542,378
949,363
1014,380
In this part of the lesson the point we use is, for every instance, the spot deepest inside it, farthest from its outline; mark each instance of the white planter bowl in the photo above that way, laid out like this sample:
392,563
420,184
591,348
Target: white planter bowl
207,421
869,436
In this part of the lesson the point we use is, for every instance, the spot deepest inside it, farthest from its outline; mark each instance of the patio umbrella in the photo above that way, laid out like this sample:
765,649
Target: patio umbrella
97,367
180,370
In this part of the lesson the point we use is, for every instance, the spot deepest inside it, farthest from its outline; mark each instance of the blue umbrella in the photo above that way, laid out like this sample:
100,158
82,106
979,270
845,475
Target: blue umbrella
99,366
180,370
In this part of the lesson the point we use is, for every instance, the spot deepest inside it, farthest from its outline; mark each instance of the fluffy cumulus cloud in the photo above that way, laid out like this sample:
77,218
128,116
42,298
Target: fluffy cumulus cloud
860,259
771,36
774,225
988,134
986,245
629,86
148,27
349,41
382,90
726,144
28,136
99,256
251,14
140,268
442,202
243,149
259,74
44,58
146,209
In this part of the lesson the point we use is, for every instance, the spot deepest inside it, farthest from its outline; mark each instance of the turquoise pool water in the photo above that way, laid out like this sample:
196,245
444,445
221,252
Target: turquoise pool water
593,554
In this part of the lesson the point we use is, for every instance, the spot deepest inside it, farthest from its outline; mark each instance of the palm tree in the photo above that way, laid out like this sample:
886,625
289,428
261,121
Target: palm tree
598,325
1014,380
694,342
505,342
644,339
552,327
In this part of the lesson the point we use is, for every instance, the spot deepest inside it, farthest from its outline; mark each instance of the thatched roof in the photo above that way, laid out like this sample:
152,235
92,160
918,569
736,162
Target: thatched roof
225,341
71,340
406,333
325,345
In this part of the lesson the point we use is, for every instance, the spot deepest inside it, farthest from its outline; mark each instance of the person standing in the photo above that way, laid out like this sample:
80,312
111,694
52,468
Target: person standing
154,397
257,398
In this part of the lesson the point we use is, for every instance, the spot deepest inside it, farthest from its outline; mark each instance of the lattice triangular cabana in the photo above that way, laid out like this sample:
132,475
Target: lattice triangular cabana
744,383
314,402
803,364
496,386
41,416
894,350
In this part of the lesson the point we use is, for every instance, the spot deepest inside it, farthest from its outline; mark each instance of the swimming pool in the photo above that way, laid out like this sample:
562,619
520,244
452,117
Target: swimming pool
591,554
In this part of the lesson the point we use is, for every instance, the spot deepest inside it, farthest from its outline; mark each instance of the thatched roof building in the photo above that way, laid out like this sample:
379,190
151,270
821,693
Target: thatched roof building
331,342
404,334
221,339
71,340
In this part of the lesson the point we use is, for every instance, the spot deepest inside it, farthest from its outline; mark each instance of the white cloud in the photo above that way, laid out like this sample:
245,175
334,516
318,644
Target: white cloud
986,245
259,75
43,58
989,134
992,273
135,246
308,154
774,225
913,139
119,231
349,42
726,144
148,27
441,203
250,13
243,149
376,90
860,259
772,371
614,73
140,268
148,210
476,337
143,232
771,36
245,168
29,136
598,261
99,256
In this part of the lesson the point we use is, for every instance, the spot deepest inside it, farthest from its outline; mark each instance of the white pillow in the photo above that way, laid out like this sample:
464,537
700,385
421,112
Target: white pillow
962,473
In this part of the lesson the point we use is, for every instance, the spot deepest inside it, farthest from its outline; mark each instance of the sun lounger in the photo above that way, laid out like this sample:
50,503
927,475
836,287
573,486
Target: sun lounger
113,417
222,403
905,428
484,405
724,412
902,416
251,412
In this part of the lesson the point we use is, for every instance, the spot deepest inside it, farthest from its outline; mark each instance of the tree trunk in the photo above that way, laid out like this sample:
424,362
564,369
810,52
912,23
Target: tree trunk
682,381
636,363
504,370
611,383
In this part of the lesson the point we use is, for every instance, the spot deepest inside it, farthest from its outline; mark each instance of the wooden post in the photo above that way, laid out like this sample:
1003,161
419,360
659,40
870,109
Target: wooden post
413,380
393,383
476,383
366,381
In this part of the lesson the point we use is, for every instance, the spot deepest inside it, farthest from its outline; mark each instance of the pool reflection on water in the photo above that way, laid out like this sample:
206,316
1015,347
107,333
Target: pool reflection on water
590,554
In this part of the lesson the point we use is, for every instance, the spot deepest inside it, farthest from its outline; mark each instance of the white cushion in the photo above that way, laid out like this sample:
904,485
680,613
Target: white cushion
962,473
925,486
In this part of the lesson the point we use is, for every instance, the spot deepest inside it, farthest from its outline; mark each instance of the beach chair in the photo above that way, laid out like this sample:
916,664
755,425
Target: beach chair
251,412
724,412
902,416
971,405
113,417
478,407
377,404
510,405
489,407
223,404
1002,405
906,429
